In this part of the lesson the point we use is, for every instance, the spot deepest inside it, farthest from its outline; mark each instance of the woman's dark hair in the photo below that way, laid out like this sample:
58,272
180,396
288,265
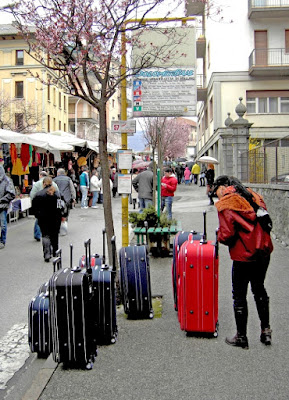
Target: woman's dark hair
225,180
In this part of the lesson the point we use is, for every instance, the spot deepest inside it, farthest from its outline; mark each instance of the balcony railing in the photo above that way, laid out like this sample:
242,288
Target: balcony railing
268,8
269,58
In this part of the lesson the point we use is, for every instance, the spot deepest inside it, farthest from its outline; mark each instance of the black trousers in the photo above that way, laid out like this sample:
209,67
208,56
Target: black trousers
245,272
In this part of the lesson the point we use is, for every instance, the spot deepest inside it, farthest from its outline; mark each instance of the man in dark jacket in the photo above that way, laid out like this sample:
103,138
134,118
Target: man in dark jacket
66,189
143,184
7,194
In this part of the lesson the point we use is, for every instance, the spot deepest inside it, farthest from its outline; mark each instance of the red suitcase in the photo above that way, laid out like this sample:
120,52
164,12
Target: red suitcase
198,285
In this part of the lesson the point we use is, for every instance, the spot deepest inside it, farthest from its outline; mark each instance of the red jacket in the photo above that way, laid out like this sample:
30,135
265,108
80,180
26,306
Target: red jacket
239,228
171,183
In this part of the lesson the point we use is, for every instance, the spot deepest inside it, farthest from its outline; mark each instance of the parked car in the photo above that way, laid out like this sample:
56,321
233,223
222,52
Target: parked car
284,178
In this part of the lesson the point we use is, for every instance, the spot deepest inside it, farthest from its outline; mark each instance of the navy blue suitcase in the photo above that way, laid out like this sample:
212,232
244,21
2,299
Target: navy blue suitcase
39,328
135,282
72,328
180,238
39,332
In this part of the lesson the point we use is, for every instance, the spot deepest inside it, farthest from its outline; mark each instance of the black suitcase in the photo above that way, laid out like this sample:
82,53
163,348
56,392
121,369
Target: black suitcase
39,328
135,282
104,300
73,332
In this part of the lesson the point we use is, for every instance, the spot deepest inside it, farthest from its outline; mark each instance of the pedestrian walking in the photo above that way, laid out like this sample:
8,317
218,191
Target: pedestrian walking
134,194
84,186
37,186
196,169
210,176
168,187
187,175
245,227
47,208
7,194
143,184
114,178
66,190
94,187
203,176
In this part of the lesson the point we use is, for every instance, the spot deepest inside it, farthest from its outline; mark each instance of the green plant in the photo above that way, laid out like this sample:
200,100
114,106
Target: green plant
150,215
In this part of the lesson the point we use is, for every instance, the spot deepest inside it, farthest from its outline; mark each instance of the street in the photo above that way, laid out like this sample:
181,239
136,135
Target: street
152,359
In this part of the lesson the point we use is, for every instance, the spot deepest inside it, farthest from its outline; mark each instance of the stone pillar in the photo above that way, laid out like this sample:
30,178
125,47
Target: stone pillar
235,143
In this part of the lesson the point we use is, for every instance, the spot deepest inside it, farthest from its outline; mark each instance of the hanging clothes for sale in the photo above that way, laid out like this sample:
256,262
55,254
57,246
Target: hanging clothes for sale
25,155
17,168
13,153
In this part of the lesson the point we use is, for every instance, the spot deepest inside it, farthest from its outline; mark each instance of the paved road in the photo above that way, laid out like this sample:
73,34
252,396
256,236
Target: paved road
152,359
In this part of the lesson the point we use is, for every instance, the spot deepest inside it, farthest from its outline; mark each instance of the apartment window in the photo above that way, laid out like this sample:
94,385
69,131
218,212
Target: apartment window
59,125
59,100
64,127
19,57
284,104
287,41
48,92
211,109
64,103
113,103
54,124
267,102
209,55
19,121
19,89
48,123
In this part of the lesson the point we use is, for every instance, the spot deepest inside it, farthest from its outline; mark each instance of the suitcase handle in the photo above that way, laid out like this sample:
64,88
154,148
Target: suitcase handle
71,252
113,247
103,245
217,244
204,239
57,264
87,244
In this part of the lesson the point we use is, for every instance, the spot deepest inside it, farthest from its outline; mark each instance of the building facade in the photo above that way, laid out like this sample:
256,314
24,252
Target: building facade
26,104
243,52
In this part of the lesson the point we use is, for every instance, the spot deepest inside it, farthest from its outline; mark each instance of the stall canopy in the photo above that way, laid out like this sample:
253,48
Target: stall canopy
53,141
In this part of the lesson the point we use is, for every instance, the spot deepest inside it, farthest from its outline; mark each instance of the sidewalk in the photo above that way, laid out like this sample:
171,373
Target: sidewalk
155,360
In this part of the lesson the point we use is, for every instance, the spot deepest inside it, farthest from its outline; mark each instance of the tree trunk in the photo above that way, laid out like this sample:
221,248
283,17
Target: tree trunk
108,218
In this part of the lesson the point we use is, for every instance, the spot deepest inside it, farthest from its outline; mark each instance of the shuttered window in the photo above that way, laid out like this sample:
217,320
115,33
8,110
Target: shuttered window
267,101
287,41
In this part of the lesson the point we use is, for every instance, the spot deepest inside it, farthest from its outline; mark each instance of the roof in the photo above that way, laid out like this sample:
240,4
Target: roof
187,121
10,29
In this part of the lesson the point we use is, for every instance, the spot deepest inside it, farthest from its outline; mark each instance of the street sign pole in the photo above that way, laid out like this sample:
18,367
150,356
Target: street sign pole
124,197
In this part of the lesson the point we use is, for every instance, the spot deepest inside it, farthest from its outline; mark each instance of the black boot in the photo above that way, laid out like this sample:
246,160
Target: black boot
266,336
262,304
240,339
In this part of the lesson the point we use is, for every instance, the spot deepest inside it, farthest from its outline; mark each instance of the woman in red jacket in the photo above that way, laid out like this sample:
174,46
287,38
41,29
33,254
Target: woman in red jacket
245,227
169,185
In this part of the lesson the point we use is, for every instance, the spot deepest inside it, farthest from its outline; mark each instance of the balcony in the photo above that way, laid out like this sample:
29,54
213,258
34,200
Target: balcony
195,7
201,43
269,62
201,88
268,9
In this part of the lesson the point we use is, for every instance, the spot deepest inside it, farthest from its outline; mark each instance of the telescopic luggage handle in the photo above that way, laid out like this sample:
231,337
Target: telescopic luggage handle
103,245
71,253
217,244
57,264
87,244
113,248
204,239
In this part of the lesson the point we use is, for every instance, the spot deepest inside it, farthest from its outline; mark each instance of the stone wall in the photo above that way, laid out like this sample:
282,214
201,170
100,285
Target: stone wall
277,200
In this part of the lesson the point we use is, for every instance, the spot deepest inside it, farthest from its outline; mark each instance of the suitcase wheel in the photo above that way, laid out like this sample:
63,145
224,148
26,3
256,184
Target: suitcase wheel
151,315
216,333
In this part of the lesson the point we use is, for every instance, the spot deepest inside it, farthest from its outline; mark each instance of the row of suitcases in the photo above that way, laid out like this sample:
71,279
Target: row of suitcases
195,281
76,310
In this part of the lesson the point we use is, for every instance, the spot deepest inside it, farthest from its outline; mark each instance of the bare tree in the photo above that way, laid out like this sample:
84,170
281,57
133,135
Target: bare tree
80,40
18,114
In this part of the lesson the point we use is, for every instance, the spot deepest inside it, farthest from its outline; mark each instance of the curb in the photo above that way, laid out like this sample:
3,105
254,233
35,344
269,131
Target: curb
41,380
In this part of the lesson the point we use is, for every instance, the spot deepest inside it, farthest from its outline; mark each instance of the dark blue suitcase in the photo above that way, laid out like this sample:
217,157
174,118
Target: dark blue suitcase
180,238
39,328
135,282
72,327
39,332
